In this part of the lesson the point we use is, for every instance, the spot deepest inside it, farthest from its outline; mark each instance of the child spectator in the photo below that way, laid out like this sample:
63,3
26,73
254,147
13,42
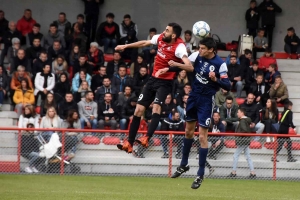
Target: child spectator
62,87
259,90
292,42
251,75
243,143
266,60
269,116
48,103
270,76
260,43
44,82
78,78
136,65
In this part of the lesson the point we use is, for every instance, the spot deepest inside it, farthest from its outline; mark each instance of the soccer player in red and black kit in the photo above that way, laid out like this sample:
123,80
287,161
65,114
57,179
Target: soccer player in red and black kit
171,52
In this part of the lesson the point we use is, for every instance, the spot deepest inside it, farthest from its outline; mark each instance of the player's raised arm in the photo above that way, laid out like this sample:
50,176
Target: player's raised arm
142,43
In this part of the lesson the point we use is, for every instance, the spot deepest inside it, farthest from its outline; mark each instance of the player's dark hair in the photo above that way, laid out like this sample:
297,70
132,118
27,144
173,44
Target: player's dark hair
229,98
209,42
80,16
291,29
255,62
110,15
152,30
247,51
242,110
188,32
127,16
176,29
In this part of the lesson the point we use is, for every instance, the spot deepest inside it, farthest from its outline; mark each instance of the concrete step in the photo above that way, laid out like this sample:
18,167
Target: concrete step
290,75
8,115
289,82
7,122
6,107
288,65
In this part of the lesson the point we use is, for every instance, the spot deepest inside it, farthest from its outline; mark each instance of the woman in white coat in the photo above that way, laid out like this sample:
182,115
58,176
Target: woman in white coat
50,121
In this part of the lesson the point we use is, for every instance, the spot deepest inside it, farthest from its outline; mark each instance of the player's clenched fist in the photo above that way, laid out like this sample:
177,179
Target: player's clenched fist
120,47
172,63
212,76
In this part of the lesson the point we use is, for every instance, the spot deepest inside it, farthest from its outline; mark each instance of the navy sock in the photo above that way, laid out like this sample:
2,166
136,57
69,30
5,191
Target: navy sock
186,148
153,124
202,159
134,127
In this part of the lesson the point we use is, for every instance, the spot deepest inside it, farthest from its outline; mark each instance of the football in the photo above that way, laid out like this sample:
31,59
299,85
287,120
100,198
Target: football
201,29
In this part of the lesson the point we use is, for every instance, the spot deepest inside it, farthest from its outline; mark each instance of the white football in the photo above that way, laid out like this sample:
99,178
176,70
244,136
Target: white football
201,29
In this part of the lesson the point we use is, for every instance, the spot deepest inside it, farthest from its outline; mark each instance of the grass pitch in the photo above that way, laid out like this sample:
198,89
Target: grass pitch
43,187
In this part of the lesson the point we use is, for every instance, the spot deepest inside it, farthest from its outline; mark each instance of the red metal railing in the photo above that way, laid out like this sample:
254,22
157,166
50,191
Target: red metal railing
170,133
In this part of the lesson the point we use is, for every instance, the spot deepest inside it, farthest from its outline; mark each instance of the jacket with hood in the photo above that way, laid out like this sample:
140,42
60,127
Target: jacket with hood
64,28
49,39
16,80
107,30
119,83
65,107
26,97
243,127
268,16
124,29
220,98
281,92
224,111
62,88
25,25
76,81
86,109
104,111
257,89
252,111
99,96
252,21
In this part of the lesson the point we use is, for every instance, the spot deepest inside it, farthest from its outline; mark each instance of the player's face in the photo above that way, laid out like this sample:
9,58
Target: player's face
216,117
168,34
204,51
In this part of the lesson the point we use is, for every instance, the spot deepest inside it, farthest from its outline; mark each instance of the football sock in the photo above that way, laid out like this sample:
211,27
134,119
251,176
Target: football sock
134,127
202,159
186,148
153,124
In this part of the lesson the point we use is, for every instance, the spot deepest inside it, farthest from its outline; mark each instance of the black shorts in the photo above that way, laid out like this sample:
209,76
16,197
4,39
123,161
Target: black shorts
155,90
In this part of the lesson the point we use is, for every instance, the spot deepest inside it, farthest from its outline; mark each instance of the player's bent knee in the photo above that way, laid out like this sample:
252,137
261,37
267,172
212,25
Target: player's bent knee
156,108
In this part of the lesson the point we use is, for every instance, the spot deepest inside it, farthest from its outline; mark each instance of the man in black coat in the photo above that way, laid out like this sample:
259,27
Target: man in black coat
139,80
245,61
127,113
82,63
40,63
235,75
66,105
113,66
252,18
107,113
259,90
33,52
292,42
55,50
97,80
251,75
20,59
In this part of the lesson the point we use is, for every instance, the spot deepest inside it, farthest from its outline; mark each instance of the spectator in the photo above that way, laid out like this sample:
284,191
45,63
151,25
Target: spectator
34,34
139,80
3,25
285,123
266,60
136,65
33,52
108,33
82,64
74,56
40,63
123,97
292,42
217,142
107,113
20,59
23,96
221,95
270,76
269,116
11,33
232,53
179,83
190,41
91,11
245,60
50,121
243,143
182,107
228,114
55,50
186,91
106,88
4,86
259,90
172,123
80,94
97,80
28,117
129,53
235,75
88,111
127,25
13,50
54,35
61,88
150,51
44,82
113,66
251,75
260,43
268,9
120,80
252,18
63,26
60,66
49,102
167,107
67,105
252,109
95,56
78,37
279,91
16,78
25,25
78,78
127,113
80,20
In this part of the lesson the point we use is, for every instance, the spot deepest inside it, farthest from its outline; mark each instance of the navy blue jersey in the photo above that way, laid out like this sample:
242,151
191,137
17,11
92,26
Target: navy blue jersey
202,84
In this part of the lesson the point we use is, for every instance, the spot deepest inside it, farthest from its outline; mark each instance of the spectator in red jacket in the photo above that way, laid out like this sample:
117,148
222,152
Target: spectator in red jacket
266,60
25,24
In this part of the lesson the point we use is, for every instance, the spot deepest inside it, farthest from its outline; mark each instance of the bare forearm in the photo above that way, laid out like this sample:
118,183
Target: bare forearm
138,44
187,67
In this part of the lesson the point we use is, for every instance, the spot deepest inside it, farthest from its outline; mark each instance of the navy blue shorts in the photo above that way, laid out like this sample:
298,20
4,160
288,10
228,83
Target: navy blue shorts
200,108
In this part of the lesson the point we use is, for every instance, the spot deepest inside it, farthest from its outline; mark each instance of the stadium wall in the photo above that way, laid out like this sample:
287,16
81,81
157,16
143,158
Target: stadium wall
222,15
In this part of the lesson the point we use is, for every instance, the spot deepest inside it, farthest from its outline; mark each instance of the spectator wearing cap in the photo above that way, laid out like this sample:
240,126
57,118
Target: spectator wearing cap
292,42
95,56
34,34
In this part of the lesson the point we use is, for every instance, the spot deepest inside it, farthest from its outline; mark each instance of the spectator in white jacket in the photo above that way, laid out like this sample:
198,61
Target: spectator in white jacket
28,117
190,41
50,121
44,82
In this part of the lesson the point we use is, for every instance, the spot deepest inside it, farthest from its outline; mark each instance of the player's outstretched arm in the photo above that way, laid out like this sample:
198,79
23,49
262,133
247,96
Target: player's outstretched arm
142,43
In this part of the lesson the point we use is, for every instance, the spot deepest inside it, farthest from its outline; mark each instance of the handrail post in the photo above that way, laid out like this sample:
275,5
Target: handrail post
62,166
19,149
275,158
170,153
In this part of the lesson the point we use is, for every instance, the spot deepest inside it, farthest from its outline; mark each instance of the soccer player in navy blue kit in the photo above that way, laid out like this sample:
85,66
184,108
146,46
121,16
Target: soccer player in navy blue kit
210,74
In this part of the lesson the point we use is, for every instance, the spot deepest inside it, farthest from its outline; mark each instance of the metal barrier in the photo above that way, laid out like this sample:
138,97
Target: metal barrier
99,155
